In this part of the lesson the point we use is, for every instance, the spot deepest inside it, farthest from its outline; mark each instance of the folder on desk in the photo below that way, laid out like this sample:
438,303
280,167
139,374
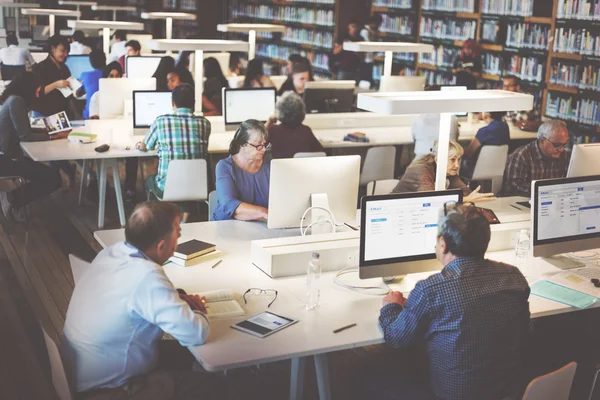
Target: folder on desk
561,294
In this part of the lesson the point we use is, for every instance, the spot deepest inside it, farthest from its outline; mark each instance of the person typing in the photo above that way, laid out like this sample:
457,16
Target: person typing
243,177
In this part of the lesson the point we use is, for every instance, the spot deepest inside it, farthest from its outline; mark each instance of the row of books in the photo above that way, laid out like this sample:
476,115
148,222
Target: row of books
582,110
577,40
319,60
492,63
489,30
575,75
187,4
578,9
308,36
402,4
437,78
378,72
443,56
526,35
529,68
449,5
523,8
580,139
287,14
454,29
403,25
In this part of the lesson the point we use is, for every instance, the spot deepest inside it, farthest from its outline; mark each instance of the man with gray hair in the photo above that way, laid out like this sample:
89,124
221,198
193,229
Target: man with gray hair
544,158
120,307
472,317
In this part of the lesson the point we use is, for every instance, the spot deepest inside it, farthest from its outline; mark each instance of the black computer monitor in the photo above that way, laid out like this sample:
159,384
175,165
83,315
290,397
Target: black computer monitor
329,96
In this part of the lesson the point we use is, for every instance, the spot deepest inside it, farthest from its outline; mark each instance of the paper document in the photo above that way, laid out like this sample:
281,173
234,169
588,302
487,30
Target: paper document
572,280
74,84
561,294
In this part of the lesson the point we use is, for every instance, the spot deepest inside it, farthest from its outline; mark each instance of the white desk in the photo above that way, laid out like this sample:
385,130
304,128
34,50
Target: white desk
313,335
77,4
114,9
106,26
251,29
56,150
18,5
169,17
52,14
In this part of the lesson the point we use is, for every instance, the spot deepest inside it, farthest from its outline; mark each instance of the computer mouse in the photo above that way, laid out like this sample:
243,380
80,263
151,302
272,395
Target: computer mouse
102,149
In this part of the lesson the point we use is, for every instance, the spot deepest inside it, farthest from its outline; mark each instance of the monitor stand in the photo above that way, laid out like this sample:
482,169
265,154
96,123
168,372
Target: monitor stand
563,262
320,200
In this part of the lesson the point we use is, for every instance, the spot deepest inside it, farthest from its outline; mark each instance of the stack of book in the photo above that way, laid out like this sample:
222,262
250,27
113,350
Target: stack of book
193,252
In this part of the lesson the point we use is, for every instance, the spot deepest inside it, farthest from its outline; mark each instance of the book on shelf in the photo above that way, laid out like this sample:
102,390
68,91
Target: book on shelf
492,64
577,40
446,28
581,110
449,5
528,68
287,14
522,8
578,9
221,304
490,31
439,78
527,35
575,75
401,4
402,25
442,56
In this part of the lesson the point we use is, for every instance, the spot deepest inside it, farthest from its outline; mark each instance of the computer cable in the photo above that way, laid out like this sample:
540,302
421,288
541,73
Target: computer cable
331,220
368,290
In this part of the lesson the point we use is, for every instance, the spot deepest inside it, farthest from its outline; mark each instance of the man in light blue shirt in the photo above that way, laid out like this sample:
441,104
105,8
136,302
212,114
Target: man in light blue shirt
120,307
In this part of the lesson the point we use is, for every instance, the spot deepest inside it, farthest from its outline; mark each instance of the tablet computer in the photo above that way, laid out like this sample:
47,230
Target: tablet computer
264,324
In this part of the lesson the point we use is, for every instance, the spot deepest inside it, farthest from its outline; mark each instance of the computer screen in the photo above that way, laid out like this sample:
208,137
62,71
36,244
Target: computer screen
78,64
329,96
398,229
141,66
584,160
242,104
148,105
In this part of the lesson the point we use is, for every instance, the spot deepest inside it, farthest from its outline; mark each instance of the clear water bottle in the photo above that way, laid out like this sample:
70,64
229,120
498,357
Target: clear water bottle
313,276
522,248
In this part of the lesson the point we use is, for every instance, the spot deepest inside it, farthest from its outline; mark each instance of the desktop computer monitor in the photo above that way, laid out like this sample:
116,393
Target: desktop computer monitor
149,105
40,33
584,160
114,92
242,104
299,183
78,64
141,66
398,232
329,96
566,217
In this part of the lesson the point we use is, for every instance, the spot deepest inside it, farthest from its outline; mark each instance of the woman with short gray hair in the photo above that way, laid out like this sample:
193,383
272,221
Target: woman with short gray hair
290,136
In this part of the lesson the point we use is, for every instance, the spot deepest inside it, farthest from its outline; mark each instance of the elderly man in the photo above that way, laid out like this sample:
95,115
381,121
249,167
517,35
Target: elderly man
120,307
472,317
544,158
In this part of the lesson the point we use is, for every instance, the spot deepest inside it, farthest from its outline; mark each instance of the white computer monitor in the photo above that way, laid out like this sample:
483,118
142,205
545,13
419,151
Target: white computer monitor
584,160
398,232
329,96
565,217
149,105
141,66
240,105
114,92
298,183
78,64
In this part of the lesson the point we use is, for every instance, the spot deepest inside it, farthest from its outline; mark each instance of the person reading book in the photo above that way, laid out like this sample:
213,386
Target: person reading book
124,302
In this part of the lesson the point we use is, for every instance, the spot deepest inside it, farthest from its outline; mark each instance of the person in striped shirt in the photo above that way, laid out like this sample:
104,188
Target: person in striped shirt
178,136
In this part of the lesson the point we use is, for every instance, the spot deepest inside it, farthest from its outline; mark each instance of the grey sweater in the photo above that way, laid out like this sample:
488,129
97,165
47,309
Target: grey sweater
15,127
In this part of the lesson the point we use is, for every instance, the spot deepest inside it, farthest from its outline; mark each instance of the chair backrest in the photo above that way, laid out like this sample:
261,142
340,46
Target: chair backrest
309,154
491,162
10,72
57,369
236,82
187,180
555,385
212,204
77,267
381,187
402,84
278,80
379,164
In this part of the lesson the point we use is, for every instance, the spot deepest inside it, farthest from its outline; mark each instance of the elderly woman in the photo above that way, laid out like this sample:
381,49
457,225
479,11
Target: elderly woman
290,136
242,179
420,175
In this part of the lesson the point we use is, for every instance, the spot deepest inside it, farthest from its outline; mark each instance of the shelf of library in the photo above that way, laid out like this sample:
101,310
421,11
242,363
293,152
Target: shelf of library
300,4
456,14
393,10
518,18
398,36
290,24
434,40
562,89
303,46
491,47
538,20
435,68
566,56
490,77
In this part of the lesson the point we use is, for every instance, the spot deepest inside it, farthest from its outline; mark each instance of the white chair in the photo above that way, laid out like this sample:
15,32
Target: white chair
402,84
212,204
490,165
309,154
381,187
77,267
187,180
555,385
57,369
236,82
379,164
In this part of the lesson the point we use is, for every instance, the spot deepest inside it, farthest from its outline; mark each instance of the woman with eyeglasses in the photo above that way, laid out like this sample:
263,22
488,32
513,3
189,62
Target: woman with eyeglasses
420,175
242,179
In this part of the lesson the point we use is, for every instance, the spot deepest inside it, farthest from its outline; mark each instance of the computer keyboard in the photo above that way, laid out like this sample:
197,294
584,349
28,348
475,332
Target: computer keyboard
589,272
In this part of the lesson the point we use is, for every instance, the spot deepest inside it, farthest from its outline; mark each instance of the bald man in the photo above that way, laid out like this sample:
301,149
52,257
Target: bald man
120,307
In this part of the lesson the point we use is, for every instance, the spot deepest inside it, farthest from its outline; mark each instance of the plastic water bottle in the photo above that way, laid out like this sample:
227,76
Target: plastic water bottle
522,248
313,276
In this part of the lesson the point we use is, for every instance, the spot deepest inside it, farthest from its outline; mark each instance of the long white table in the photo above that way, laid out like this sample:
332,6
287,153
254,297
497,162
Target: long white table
313,335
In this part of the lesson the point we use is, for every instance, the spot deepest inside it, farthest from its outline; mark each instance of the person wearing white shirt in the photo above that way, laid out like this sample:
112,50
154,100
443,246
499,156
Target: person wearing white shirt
77,46
426,129
120,307
117,49
14,55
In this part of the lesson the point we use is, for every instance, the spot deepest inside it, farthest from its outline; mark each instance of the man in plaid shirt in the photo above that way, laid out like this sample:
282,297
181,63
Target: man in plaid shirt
544,158
177,136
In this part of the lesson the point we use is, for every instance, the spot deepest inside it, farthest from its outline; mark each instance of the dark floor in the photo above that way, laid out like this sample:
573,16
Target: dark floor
36,285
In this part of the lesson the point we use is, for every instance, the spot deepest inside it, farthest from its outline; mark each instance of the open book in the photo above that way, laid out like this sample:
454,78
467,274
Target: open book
221,304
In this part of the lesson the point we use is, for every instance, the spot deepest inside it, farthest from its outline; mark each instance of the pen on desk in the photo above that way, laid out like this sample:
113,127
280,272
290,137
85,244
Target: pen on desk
217,263
343,328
